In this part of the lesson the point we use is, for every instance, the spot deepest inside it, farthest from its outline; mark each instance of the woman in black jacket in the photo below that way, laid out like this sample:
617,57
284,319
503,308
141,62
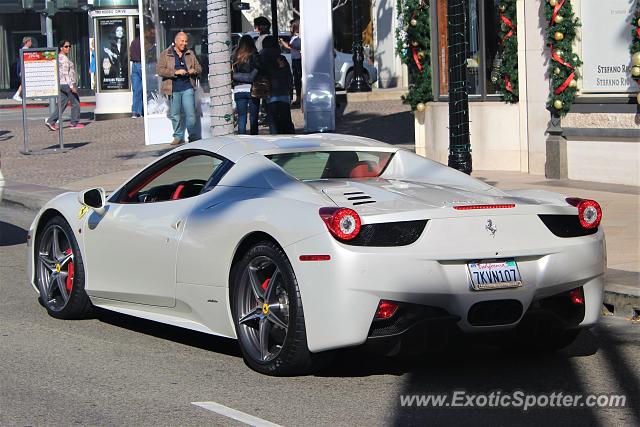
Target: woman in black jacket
245,61
275,66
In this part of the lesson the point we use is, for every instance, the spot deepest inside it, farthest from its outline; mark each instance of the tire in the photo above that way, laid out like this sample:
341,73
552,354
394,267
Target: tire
271,334
60,272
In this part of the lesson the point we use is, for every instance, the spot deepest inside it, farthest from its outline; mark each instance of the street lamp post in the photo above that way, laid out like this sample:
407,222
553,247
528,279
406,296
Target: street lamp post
459,145
359,83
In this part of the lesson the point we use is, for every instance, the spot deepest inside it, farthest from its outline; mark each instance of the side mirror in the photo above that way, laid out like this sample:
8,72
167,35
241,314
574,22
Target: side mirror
94,198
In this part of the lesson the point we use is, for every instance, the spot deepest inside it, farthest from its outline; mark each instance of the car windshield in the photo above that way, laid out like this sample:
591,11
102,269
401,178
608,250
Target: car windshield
313,165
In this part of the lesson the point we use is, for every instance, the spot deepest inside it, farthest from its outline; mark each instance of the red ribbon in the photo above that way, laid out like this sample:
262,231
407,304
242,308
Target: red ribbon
556,9
507,83
557,58
564,85
416,59
509,24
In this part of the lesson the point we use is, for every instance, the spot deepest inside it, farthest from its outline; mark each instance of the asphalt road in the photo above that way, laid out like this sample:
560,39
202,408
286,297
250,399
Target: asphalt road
116,370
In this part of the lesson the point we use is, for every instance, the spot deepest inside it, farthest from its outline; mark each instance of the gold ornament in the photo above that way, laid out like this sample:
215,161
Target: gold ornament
502,8
556,71
421,107
558,19
635,71
414,43
638,22
421,54
558,36
635,58
413,22
553,2
559,52
557,104
573,83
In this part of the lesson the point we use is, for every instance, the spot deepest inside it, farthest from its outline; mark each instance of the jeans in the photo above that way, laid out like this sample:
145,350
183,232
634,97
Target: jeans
296,66
136,84
246,103
65,96
184,102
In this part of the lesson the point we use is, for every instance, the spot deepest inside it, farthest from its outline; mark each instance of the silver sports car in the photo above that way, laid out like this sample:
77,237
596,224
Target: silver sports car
298,245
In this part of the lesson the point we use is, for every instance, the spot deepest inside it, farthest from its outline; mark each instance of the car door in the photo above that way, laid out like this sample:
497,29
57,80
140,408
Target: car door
130,251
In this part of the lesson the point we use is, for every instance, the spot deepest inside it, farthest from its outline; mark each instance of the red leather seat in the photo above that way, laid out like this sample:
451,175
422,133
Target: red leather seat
364,169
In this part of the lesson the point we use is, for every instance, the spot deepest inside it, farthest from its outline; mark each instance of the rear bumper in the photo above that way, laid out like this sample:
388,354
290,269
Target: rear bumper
340,296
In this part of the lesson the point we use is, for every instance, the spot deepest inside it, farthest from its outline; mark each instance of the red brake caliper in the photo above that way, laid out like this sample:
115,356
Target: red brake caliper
70,272
265,284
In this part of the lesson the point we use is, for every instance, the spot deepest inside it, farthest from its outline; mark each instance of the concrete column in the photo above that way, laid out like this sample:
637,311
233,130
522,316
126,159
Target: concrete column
555,166
535,81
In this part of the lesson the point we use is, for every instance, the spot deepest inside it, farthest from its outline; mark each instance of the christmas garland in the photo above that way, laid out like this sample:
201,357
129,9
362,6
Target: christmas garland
505,66
413,45
634,49
563,73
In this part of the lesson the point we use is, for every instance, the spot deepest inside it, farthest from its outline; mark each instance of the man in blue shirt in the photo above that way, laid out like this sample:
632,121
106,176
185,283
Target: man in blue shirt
179,69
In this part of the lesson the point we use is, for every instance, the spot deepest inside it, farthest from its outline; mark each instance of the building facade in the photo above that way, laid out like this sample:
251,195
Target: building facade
598,140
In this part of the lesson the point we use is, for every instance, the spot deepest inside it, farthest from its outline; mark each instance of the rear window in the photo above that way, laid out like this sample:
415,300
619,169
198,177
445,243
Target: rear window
312,165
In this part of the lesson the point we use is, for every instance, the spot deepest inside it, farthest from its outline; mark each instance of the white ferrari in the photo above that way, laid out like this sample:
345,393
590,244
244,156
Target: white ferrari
298,245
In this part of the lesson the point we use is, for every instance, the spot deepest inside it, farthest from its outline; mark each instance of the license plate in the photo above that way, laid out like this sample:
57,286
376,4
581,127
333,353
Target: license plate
494,274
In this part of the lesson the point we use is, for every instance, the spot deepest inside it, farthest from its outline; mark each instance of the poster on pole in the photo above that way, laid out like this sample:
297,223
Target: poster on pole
113,55
40,72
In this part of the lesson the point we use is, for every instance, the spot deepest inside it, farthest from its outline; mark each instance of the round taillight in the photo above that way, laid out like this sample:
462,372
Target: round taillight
344,223
589,211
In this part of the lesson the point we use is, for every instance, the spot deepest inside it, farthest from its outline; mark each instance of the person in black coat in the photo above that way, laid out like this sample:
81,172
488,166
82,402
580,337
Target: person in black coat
275,66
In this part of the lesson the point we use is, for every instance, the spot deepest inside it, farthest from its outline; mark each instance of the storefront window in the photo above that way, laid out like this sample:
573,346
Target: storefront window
482,46
162,20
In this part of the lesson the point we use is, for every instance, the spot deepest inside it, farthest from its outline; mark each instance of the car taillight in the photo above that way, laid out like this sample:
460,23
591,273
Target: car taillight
344,223
577,296
386,310
589,211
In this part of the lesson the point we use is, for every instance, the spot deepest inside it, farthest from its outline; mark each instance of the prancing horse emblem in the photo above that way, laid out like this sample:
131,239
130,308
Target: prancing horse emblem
491,228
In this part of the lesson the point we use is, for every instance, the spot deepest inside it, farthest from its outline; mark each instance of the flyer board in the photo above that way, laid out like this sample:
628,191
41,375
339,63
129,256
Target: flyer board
40,73
113,54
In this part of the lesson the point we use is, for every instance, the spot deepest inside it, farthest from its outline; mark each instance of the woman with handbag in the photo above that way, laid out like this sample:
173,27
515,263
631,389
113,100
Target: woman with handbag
275,66
245,71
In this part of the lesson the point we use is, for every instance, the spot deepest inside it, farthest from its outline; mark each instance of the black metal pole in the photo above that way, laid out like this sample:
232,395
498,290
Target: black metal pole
359,83
274,18
459,145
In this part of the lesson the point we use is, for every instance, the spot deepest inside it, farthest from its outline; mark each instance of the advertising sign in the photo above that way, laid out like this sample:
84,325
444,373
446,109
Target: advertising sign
113,55
40,73
606,37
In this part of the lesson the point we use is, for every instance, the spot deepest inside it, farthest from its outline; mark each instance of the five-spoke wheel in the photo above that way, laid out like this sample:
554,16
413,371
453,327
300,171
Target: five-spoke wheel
60,272
268,314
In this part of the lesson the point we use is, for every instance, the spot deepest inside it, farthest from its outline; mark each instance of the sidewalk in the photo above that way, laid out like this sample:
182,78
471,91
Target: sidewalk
107,153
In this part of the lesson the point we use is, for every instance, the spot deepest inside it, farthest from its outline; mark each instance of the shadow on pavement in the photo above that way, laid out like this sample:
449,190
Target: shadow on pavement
71,145
11,235
5,135
184,336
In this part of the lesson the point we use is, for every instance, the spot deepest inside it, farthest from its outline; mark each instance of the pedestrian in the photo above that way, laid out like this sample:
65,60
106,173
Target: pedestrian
295,46
179,69
136,76
275,66
27,42
262,26
245,62
68,89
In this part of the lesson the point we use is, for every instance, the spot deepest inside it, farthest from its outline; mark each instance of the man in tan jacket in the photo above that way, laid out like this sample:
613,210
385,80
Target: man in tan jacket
179,69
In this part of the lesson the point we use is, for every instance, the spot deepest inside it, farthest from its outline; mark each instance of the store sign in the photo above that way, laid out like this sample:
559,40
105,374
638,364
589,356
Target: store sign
40,73
606,37
113,56
113,12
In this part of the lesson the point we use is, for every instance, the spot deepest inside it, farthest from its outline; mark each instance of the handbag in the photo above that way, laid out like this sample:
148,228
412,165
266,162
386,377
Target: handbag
261,87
